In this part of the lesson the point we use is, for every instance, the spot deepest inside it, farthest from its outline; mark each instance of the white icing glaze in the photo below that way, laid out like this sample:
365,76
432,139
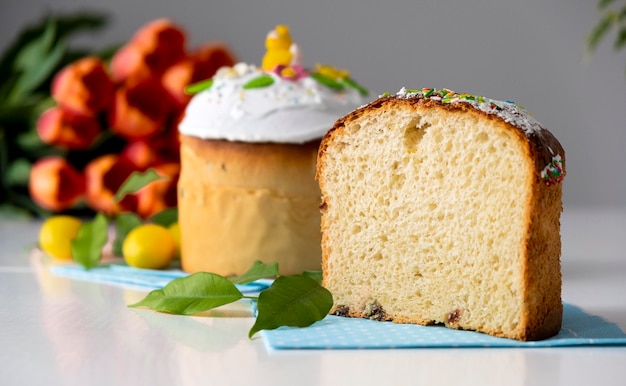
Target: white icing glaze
287,111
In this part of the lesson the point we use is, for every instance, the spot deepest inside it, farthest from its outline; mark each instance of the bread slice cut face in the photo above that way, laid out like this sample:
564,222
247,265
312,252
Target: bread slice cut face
443,212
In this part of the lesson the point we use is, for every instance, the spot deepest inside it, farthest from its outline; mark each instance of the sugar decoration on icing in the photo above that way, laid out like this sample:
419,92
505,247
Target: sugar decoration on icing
280,101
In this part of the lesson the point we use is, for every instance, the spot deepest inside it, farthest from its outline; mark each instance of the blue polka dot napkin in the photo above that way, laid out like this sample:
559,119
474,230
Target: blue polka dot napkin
335,332
123,275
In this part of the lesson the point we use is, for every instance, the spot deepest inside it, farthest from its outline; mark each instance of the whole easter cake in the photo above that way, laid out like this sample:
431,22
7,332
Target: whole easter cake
444,208
249,142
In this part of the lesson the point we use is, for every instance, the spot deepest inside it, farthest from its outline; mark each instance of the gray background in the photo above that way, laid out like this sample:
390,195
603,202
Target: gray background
531,52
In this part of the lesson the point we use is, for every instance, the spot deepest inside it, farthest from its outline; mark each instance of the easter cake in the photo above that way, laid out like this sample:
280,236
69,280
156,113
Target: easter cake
444,208
249,141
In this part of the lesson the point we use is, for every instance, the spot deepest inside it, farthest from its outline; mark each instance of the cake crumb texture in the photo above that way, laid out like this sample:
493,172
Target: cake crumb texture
441,213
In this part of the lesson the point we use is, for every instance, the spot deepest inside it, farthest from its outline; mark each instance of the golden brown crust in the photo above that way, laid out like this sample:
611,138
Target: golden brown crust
541,274
283,168
544,143
242,202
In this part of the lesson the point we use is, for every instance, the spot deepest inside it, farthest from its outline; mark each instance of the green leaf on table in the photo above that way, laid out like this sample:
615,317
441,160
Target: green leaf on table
124,223
136,181
296,301
87,246
189,295
166,217
259,270
315,275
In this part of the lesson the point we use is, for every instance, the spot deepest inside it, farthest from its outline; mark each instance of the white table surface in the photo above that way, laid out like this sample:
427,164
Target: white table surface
58,331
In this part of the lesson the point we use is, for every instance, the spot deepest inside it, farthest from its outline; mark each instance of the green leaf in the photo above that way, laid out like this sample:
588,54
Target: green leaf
296,301
620,41
199,86
34,52
353,84
17,173
66,25
259,270
29,81
13,213
259,82
602,4
315,275
195,293
166,217
136,181
326,81
87,247
31,144
600,30
124,223
82,21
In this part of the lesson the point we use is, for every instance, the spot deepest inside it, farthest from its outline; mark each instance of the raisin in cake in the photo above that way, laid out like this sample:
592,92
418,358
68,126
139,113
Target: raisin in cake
443,208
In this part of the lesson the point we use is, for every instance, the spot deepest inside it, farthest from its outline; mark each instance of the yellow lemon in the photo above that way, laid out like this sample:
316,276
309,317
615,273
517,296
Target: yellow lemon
174,229
149,246
56,235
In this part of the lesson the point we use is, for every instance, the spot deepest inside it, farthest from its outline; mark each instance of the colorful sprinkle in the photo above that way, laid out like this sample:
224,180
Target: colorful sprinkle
507,110
554,172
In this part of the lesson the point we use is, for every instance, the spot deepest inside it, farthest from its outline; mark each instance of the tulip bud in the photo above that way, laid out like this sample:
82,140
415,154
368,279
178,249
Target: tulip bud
66,129
140,110
55,184
153,48
161,194
141,153
176,78
201,64
209,58
83,86
104,176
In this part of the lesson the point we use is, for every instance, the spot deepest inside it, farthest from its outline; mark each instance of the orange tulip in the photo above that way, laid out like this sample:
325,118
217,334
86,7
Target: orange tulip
154,47
83,86
140,110
176,78
64,128
55,184
209,58
104,176
161,194
141,153
201,64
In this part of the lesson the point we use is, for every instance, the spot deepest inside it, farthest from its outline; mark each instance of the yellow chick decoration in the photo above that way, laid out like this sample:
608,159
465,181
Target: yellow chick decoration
279,48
